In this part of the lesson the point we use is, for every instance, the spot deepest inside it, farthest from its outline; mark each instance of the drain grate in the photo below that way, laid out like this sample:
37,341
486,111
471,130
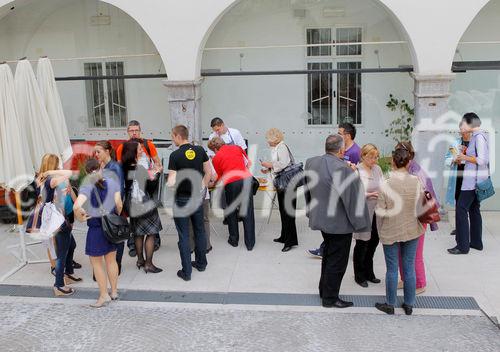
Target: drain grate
275,299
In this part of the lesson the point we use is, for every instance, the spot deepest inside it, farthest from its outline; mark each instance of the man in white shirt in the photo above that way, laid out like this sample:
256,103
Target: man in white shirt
229,135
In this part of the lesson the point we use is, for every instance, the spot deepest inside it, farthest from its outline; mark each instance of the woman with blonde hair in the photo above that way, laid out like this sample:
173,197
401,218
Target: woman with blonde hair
281,157
366,242
51,182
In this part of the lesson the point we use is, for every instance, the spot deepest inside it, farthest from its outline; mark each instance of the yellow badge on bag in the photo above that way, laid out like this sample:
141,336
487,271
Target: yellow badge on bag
190,154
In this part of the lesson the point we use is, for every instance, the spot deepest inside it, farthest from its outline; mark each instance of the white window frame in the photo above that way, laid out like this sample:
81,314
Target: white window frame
334,59
106,92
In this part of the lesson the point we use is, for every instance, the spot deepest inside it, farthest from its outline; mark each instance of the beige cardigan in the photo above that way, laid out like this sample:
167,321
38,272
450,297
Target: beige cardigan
397,208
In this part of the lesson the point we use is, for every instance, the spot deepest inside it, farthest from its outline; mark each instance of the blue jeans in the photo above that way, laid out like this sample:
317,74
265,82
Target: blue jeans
468,234
200,238
65,247
408,252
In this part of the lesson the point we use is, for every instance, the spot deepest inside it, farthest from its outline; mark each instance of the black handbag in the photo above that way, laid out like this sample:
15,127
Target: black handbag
116,228
292,171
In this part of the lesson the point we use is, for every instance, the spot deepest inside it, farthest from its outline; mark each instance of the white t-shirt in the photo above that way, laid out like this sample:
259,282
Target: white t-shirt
231,137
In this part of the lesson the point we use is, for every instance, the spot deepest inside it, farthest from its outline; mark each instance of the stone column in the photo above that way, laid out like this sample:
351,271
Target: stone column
184,98
432,125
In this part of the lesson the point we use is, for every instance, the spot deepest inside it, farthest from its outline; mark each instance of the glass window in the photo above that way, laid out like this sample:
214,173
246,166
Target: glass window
319,36
106,102
349,35
320,94
349,94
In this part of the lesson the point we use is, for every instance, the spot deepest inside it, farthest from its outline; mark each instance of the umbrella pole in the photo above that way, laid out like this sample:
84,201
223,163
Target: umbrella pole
23,260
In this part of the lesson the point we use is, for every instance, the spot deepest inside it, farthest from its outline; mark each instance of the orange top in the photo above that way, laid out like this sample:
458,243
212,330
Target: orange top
151,146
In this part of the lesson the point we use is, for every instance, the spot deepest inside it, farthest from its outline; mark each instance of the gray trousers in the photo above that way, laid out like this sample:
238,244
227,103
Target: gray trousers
206,222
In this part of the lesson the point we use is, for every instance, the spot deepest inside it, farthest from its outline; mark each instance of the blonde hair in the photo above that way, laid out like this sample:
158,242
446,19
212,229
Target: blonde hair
369,149
49,162
215,144
274,135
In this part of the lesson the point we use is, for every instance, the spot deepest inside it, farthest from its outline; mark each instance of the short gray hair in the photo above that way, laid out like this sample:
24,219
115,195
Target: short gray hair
334,143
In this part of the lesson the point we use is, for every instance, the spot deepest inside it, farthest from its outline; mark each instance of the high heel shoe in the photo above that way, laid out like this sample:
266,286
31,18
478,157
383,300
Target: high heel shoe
70,279
101,303
140,264
152,269
60,291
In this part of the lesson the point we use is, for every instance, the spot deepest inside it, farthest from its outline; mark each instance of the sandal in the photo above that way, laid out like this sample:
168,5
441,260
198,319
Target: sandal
100,304
60,291
70,279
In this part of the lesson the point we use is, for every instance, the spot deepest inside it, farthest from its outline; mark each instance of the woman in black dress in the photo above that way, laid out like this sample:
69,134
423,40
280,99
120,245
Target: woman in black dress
144,218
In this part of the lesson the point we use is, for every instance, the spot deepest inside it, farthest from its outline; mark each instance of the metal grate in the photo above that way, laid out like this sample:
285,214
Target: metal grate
278,299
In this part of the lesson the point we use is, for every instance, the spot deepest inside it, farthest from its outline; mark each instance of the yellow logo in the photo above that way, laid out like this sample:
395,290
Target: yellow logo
190,154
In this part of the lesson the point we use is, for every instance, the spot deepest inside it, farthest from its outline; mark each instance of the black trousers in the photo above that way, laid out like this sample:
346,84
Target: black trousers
334,264
288,227
232,192
364,252
468,222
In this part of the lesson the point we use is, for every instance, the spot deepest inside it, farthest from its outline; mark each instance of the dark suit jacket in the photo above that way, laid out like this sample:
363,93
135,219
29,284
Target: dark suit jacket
337,203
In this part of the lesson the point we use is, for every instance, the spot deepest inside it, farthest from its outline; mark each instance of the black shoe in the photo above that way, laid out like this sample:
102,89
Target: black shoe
199,268
209,250
477,248
455,250
232,243
183,276
338,303
250,248
287,248
76,265
453,233
152,269
408,309
278,240
363,283
374,280
384,307
132,252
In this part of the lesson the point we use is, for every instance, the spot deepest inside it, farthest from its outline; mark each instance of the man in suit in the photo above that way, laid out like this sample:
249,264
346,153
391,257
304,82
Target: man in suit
335,206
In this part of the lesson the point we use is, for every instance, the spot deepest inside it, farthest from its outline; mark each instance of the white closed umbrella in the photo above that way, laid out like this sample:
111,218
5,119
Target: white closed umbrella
16,166
52,100
33,114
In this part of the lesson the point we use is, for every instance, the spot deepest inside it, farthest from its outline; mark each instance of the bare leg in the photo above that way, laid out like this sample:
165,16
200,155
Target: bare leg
112,269
102,282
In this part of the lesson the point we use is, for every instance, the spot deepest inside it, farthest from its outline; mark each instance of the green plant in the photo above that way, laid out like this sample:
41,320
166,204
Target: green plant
401,128
385,164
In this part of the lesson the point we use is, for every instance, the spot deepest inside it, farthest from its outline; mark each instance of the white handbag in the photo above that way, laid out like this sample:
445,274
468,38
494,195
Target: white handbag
52,219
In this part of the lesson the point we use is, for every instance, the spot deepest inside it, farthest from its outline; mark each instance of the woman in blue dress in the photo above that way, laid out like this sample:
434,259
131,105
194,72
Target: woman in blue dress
97,247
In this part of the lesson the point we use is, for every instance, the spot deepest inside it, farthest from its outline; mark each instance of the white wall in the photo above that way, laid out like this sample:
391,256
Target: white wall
254,104
63,30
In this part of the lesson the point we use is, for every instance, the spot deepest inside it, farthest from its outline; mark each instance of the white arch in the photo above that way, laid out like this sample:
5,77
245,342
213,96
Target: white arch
126,6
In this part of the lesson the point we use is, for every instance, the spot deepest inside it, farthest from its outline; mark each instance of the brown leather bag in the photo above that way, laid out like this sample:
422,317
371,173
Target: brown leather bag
429,213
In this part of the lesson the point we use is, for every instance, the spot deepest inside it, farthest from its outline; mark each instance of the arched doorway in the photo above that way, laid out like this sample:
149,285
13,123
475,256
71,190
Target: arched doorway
476,87
272,36
91,38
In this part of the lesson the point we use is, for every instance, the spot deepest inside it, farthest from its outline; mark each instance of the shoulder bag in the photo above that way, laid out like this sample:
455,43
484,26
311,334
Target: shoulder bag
293,170
115,227
484,189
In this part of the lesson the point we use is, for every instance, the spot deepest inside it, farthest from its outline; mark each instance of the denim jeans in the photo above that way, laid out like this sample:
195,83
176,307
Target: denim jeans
200,238
408,252
468,234
65,247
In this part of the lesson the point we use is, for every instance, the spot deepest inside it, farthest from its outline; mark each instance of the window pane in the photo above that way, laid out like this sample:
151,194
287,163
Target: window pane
95,96
116,95
349,35
319,36
320,94
349,94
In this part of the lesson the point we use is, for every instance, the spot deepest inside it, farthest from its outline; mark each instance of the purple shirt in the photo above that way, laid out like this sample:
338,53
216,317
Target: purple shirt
353,154
474,174
416,170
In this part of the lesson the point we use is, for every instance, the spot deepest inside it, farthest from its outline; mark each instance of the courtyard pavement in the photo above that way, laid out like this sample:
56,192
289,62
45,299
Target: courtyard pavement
264,270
